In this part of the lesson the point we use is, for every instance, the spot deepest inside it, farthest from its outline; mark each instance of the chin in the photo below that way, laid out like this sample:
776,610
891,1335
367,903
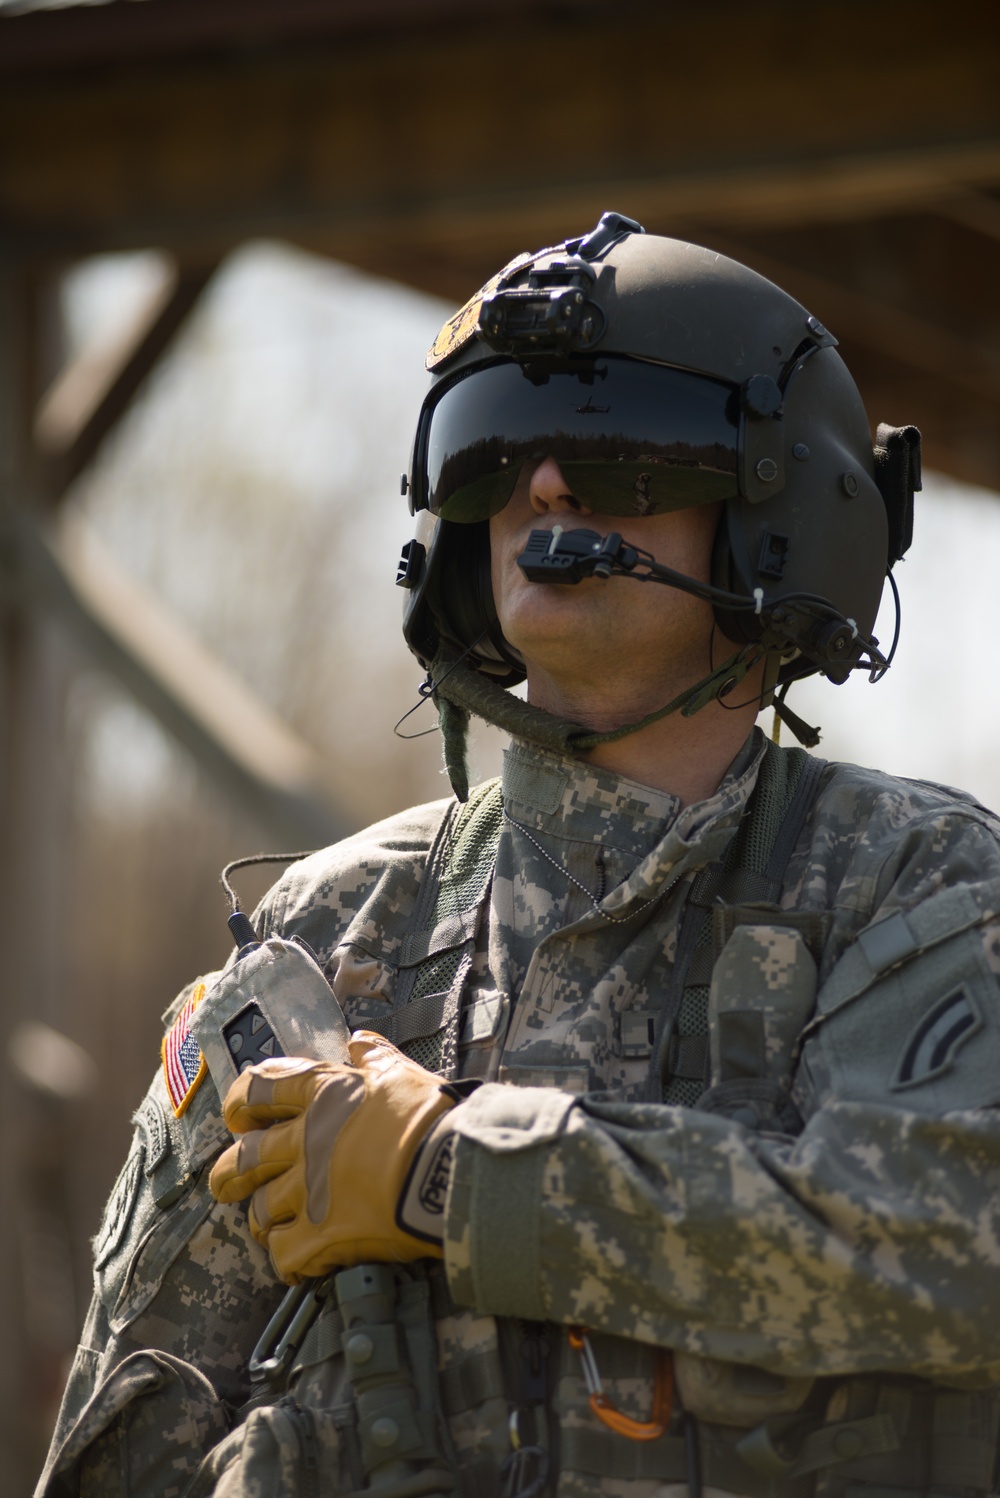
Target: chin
540,617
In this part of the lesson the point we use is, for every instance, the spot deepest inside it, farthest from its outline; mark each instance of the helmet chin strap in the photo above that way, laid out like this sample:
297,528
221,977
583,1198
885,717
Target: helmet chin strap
460,691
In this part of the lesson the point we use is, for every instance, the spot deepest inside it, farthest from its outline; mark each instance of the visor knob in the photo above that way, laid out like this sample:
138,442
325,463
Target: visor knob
760,396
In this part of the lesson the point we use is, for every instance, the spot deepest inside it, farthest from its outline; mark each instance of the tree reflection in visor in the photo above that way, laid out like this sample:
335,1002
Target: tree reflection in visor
631,438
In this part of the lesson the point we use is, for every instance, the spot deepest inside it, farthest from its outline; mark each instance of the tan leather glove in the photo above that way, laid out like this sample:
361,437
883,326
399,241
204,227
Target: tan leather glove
326,1152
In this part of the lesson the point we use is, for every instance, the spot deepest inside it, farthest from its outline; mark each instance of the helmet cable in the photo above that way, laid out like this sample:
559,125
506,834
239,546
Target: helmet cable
427,689
243,863
808,736
877,676
806,620
243,931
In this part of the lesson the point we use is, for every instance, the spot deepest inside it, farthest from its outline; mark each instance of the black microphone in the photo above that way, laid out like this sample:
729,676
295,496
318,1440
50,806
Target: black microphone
569,556
811,624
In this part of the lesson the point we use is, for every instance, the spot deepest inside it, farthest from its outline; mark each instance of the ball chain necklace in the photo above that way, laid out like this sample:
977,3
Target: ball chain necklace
616,920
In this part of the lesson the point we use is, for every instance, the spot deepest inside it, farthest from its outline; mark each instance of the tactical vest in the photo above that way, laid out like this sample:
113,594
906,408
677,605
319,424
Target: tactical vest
736,1428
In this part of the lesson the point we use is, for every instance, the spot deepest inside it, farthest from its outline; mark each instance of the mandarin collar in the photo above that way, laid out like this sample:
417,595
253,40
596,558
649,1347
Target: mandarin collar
568,799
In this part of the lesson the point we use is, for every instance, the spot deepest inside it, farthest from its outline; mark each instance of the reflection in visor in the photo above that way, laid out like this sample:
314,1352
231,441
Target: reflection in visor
630,438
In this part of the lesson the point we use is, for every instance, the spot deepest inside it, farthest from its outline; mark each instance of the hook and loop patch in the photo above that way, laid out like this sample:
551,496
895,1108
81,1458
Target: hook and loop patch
184,1066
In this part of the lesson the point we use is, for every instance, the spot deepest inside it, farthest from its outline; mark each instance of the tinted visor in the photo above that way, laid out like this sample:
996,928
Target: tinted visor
630,438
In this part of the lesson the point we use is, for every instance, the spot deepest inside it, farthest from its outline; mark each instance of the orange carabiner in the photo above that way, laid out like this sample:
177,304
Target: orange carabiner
614,1419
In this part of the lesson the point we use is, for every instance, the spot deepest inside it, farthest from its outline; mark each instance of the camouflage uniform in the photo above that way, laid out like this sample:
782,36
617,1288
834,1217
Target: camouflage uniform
818,1241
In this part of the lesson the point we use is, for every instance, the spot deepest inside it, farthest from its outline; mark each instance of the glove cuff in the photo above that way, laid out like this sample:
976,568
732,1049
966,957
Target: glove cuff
420,1210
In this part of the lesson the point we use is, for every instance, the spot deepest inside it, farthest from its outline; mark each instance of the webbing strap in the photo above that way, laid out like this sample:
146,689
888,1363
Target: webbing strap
591,1450
753,872
325,1339
824,1446
470,1382
595,1452
440,944
803,794
687,1057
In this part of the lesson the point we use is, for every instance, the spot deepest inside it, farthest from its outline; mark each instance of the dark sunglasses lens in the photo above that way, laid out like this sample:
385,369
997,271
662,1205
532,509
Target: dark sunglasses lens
631,438
644,488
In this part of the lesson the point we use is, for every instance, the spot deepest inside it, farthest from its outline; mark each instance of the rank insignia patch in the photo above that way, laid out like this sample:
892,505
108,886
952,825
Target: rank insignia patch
183,1064
932,1046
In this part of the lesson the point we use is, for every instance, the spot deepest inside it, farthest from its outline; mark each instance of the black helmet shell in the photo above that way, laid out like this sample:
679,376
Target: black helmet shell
807,514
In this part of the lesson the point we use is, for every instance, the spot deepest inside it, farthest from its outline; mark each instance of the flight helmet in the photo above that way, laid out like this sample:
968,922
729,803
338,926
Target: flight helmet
659,374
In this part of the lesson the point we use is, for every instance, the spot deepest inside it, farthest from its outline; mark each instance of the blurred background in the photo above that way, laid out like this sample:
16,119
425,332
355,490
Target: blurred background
229,230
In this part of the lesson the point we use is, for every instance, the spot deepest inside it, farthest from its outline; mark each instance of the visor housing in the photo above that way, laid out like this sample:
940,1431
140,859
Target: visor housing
632,438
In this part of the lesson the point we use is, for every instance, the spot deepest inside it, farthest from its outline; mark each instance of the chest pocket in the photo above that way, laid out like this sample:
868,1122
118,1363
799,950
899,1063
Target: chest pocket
692,1056
762,994
436,953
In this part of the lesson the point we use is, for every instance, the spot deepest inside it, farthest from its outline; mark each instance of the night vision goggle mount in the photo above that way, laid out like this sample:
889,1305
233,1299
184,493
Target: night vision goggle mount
554,312
796,620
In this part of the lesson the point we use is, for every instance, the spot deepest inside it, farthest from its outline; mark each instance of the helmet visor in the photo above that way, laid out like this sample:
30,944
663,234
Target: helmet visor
630,438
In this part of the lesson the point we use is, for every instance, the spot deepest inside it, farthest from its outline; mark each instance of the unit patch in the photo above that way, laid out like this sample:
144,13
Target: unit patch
151,1120
931,1047
119,1208
183,1064
465,323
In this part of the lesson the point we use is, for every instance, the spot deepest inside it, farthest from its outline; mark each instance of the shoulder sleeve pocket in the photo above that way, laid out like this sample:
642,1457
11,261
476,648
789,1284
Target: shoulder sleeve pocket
158,1201
923,1034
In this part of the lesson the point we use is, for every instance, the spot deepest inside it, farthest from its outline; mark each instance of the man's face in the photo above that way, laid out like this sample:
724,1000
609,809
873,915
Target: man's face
604,630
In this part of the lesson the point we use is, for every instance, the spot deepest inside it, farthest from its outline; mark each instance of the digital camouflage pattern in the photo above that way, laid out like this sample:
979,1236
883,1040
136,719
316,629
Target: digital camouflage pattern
821,1234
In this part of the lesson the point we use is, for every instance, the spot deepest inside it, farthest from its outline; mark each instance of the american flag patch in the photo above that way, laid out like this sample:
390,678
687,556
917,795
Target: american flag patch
183,1064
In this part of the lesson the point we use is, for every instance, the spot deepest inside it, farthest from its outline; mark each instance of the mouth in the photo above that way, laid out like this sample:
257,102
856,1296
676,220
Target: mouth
558,527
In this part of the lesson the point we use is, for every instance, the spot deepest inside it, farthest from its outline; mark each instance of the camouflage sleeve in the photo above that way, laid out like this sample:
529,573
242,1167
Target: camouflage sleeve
182,1292
869,1242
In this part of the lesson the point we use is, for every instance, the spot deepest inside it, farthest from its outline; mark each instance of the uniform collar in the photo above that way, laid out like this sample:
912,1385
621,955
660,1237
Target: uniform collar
569,799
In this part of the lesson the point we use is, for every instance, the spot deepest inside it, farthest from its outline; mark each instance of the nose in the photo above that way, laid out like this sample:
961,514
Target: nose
550,491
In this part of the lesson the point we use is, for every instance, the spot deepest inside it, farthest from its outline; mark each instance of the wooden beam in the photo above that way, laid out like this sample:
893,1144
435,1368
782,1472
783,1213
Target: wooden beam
889,331
91,394
43,41
15,1440
38,1306
477,130
974,211
248,752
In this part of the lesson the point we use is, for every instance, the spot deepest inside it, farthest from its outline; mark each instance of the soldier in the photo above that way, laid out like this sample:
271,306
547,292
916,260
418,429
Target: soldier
664,1154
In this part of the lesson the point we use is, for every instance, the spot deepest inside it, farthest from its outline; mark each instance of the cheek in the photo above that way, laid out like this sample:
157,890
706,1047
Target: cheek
496,557
684,539
507,534
504,575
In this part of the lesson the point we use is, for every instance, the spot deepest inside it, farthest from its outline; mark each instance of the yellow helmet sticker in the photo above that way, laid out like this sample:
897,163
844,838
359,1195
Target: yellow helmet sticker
458,330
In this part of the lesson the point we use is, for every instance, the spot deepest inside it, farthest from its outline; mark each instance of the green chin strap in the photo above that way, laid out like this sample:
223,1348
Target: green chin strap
459,691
